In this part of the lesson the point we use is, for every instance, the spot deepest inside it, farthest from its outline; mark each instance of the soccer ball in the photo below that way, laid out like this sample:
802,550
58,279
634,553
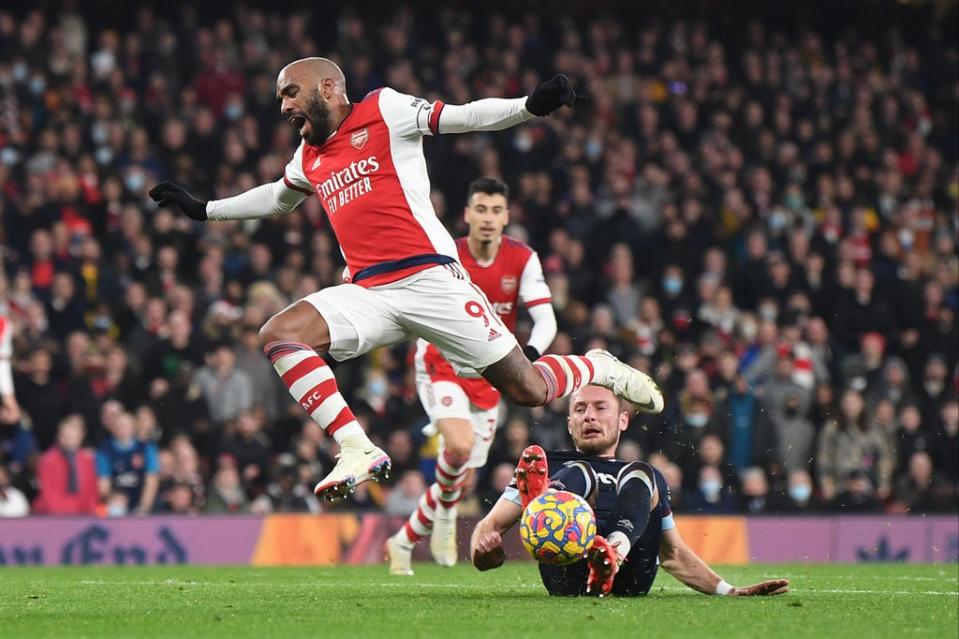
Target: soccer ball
558,528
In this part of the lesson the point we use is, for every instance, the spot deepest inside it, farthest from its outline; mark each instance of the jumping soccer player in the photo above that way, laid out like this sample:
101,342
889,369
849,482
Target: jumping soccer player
636,532
365,161
465,410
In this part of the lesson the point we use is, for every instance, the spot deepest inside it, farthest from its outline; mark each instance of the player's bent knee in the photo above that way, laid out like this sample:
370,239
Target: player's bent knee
274,331
299,323
458,437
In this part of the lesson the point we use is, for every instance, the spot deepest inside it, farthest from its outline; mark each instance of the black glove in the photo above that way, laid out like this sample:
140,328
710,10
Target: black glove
551,95
531,353
176,197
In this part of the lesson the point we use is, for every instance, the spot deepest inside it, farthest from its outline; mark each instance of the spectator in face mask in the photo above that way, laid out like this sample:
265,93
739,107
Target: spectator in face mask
798,494
711,496
672,294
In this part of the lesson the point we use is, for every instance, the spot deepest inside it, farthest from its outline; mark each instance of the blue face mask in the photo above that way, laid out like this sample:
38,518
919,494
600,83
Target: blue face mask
697,420
672,285
594,149
20,72
800,492
376,388
778,221
233,111
710,487
9,156
103,155
37,85
135,181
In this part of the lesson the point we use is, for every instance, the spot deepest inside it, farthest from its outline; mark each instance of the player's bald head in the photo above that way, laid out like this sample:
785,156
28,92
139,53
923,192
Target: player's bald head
311,71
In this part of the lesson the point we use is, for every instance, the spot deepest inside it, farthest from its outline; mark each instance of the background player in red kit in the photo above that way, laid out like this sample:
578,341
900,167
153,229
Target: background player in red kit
365,161
464,408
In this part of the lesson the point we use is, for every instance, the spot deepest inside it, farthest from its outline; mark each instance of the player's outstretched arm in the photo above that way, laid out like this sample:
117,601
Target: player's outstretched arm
683,564
495,114
276,198
486,543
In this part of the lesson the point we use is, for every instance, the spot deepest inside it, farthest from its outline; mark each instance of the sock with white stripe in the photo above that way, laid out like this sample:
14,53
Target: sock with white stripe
313,386
635,484
565,374
445,492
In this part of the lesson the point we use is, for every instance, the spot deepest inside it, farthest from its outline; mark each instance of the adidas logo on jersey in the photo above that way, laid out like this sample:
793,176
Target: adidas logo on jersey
493,334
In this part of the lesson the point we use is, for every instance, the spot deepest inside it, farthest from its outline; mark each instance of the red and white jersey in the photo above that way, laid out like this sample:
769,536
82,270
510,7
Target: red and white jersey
370,176
515,276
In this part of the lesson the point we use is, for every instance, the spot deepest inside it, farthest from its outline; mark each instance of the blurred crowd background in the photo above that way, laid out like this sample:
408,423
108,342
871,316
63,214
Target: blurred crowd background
757,202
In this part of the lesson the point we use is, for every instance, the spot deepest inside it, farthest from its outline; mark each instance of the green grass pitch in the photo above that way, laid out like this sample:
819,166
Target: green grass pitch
828,601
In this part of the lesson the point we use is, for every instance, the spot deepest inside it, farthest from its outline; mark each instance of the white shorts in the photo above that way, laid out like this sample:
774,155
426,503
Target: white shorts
439,304
448,400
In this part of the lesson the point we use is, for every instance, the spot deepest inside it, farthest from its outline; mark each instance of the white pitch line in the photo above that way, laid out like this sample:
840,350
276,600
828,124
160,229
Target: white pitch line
875,577
455,586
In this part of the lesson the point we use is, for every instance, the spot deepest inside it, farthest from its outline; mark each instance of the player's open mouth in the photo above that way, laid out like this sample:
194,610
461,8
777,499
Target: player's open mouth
298,122
589,431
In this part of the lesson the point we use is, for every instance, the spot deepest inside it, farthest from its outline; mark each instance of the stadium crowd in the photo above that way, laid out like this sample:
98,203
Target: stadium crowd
763,214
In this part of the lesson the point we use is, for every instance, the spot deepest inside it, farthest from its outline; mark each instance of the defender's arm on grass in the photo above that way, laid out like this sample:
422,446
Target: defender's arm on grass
486,543
682,563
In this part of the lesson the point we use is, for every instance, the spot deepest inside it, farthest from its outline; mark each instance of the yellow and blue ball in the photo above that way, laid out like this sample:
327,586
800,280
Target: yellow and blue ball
558,527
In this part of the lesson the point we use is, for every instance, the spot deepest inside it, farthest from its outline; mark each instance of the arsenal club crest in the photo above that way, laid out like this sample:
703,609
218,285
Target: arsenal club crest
508,283
359,138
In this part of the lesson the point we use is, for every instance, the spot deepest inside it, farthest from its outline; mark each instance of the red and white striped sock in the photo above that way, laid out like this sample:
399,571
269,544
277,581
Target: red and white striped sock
312,384
564,374
445,492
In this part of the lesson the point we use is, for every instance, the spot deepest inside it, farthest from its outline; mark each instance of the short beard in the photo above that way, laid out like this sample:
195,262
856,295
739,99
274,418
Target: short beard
319,114
595,448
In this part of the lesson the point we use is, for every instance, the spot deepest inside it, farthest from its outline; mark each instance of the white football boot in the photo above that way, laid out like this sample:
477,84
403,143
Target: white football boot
358,461
625,381
400,558
443,539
